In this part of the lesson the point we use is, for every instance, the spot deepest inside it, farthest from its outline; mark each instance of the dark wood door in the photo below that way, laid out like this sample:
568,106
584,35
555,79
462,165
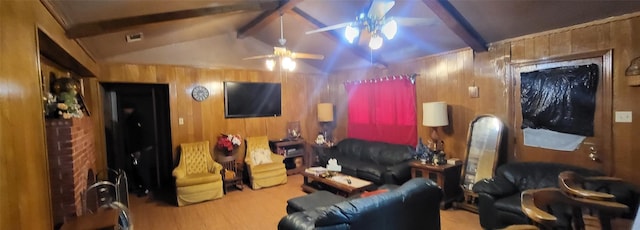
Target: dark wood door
594,152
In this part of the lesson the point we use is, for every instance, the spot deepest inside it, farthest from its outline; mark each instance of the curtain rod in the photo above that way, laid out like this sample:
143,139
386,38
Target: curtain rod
410,77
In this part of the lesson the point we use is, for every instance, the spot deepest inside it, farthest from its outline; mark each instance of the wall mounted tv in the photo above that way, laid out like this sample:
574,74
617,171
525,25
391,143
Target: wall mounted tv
252,99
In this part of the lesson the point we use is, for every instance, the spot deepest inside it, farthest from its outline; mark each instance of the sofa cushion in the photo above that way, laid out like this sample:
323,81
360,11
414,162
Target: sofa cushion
351,148
534,175
371,172
316,199
371,152
196,179
349,165
510,204
394,154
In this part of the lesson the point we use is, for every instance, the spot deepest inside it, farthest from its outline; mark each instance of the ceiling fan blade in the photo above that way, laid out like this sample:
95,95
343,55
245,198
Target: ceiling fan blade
402,21
379,8
333,27
307,56
260,57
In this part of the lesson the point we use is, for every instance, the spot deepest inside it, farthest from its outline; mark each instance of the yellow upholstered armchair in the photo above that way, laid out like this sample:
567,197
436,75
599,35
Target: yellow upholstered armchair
265,168
197,175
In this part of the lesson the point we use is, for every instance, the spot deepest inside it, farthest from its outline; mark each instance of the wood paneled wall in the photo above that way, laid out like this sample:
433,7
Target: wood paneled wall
205,120
24,178
445,77
24,183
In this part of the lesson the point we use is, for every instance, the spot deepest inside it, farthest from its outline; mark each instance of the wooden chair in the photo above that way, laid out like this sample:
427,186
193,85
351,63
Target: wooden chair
573,184
231,173
536,202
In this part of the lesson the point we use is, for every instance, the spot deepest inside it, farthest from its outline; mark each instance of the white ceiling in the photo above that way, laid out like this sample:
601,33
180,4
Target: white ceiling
211,42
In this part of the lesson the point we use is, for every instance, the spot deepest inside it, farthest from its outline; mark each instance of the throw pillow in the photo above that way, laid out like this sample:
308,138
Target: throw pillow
372,193
228,174
261,156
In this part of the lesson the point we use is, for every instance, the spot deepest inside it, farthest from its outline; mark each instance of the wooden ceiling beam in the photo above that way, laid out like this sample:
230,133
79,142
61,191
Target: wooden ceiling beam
120,24
457,23
265,18
337,37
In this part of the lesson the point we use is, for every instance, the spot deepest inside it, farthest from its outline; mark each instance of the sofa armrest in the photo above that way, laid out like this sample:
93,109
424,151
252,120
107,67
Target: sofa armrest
319,218
497,187
489,191
276,157
397,174
487,211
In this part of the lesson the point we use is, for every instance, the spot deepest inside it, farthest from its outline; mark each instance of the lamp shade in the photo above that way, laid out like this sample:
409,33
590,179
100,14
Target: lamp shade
325,112
434,114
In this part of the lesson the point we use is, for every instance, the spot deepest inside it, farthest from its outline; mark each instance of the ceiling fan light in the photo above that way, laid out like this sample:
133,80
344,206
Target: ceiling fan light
375,42
288,63
292,66
270,63
389,29
351,33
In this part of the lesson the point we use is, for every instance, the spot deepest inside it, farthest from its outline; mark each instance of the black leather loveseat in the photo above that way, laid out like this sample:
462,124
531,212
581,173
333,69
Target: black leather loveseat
378,162
414,205
499,197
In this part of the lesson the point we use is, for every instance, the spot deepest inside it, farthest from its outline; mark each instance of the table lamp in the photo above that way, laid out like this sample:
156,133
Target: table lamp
434,115
325,117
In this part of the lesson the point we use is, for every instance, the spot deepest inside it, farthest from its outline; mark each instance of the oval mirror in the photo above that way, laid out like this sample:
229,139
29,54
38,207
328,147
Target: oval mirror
483,148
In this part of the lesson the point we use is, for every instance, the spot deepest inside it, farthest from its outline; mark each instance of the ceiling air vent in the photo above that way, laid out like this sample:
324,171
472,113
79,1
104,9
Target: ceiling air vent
134,37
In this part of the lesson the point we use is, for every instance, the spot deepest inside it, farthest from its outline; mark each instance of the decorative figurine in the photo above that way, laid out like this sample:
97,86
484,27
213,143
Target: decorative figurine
320,139
422,153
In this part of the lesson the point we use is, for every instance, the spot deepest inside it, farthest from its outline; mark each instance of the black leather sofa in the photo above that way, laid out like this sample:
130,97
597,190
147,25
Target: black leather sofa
414,205
499,197
378,162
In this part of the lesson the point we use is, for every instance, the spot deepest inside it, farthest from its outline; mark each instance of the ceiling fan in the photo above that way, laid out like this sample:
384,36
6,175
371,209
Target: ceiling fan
375,23
285,56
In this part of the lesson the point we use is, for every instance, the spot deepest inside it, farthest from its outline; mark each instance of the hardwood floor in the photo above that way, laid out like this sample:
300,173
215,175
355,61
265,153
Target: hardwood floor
247,209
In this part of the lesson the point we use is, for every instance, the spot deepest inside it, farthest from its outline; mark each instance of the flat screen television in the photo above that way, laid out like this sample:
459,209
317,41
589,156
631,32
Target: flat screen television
252,99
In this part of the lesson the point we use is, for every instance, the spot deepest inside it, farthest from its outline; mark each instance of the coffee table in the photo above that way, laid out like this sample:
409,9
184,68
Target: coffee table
339,182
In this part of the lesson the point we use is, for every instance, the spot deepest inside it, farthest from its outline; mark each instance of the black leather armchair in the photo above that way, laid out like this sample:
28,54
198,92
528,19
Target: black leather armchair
499,197
378,162
414,205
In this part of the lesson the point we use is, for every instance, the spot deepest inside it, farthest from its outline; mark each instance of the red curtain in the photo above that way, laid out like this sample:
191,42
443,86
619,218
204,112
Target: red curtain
383,110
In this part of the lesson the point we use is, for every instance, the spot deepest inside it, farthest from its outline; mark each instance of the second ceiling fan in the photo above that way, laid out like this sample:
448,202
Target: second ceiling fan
285,56
375,24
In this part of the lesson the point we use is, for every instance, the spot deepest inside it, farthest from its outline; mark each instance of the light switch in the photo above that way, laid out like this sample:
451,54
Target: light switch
180,121
623,116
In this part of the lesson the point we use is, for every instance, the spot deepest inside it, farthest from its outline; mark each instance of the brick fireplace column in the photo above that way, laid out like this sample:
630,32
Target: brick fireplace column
71,153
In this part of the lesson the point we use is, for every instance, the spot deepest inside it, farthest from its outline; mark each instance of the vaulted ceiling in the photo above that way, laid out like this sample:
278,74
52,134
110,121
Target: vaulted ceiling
219,34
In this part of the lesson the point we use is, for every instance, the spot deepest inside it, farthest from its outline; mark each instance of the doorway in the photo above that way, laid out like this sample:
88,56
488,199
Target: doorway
146,107
595,151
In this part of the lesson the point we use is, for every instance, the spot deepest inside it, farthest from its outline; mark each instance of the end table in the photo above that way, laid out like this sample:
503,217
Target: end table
446,176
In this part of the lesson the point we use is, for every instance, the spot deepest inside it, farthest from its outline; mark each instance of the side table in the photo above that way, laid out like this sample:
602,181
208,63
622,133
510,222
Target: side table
291,149
446,176
229,164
